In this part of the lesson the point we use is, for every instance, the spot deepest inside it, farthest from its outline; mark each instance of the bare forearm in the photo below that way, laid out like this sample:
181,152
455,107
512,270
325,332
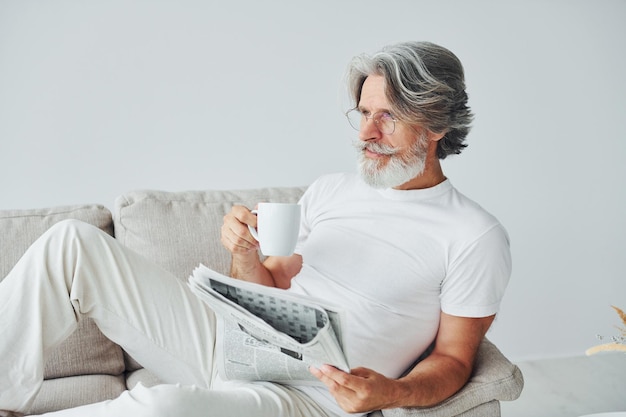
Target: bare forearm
433,380
275,271
449,366
249,268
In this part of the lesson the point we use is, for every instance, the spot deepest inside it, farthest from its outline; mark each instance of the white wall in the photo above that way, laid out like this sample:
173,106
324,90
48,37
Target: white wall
101,97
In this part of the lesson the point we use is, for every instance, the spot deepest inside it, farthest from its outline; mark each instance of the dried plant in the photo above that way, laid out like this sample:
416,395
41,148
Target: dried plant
618,343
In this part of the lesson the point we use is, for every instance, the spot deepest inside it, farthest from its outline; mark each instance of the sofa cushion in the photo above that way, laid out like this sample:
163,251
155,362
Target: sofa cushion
20,228
489,409
179,230
147,378
86,351
61,393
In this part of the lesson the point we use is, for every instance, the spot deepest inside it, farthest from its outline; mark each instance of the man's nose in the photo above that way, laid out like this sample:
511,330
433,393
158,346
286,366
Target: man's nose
369,130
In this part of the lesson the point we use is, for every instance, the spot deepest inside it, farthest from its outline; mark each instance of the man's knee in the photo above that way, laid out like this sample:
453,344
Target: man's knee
71,226
72,230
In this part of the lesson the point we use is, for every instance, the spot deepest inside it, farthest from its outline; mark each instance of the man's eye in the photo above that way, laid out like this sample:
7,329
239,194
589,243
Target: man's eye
386,116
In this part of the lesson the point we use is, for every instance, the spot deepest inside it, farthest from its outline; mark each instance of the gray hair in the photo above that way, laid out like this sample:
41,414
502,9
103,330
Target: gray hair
425,84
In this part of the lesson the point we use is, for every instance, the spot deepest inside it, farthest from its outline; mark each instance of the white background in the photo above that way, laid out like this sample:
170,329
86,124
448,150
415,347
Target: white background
101,97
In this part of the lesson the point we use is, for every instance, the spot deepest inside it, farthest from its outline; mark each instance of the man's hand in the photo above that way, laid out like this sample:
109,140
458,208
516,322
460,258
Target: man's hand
362,390
235,234
434,379
275,271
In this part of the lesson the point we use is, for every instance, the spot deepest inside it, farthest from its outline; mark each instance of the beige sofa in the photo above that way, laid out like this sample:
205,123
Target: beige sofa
178,231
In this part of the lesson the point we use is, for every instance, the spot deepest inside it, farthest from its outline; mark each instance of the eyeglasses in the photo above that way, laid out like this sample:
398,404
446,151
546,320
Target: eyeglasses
384,121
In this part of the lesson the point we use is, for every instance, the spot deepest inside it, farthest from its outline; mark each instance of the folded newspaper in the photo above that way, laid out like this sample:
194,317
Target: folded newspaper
269,334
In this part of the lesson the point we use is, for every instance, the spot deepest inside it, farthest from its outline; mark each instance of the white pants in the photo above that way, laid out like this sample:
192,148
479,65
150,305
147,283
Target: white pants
75,269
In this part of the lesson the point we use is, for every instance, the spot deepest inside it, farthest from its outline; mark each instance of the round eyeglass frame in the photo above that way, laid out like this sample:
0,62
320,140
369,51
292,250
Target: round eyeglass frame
356,118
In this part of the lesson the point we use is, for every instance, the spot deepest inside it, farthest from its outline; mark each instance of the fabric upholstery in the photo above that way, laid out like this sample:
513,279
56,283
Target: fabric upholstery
141,375
20,228
60,393
86,351
178,230
490,409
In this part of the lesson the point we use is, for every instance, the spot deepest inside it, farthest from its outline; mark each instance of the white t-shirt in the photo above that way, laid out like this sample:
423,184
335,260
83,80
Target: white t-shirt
394,260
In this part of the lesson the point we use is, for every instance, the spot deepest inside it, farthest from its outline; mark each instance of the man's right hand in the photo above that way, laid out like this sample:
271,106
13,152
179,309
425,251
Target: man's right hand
235,234
275,271
236,237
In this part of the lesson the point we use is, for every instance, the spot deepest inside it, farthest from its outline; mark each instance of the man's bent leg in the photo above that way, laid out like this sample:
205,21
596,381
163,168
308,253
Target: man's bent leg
75,269
258,400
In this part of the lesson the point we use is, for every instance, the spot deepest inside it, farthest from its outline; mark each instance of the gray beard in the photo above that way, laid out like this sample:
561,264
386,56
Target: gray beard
396,170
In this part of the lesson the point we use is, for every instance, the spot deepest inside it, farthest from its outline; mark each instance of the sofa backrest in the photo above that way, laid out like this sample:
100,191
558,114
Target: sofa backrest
20,228
179,230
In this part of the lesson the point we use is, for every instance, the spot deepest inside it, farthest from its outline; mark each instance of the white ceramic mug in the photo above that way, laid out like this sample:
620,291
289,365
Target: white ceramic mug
277,228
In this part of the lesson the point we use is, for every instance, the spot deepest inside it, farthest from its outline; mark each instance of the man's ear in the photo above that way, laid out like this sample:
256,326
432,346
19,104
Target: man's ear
435,137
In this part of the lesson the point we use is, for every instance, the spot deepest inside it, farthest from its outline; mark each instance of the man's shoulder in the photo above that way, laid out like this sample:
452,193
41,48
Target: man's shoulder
470,215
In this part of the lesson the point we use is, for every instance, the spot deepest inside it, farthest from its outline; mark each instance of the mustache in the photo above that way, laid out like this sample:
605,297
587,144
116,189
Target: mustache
379,148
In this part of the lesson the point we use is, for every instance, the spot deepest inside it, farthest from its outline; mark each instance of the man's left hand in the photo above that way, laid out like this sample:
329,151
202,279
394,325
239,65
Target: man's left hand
361,390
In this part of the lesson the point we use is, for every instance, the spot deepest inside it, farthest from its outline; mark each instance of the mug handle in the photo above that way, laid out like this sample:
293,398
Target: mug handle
252,230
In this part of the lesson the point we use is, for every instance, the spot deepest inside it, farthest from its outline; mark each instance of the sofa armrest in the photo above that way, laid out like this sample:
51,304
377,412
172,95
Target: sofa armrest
494,378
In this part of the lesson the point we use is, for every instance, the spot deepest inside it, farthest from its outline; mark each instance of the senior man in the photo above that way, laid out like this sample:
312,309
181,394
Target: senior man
414,262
